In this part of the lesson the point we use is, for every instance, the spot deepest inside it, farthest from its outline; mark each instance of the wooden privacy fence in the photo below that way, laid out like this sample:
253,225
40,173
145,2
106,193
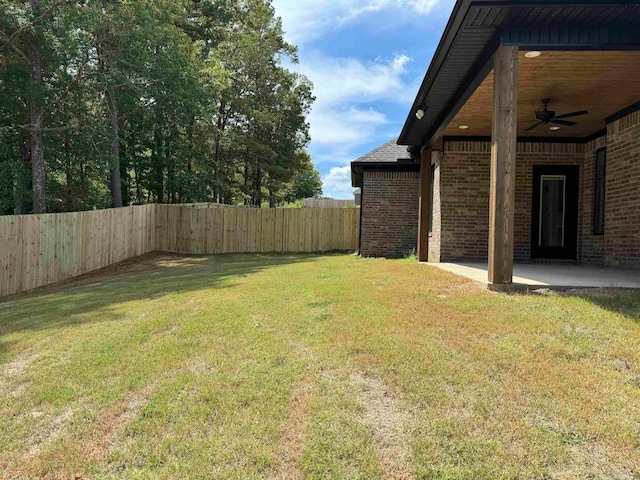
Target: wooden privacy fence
238,230
328,203
37,250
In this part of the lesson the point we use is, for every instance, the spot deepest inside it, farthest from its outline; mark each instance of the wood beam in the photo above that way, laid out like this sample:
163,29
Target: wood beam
503,164
424,210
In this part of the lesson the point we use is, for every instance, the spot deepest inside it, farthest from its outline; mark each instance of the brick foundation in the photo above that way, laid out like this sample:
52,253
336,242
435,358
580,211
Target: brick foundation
389,213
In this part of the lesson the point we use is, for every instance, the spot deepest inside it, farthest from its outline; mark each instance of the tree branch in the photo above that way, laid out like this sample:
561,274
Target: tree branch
67,91
9,43
47,14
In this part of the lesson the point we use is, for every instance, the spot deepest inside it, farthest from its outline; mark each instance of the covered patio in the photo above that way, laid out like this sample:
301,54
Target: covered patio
560,277
527,129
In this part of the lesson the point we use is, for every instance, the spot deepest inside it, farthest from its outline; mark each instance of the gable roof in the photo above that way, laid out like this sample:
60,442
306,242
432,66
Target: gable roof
475,29
388,155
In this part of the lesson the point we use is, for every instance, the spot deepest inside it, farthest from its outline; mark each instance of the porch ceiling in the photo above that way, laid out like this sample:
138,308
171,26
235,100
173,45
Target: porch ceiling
602,82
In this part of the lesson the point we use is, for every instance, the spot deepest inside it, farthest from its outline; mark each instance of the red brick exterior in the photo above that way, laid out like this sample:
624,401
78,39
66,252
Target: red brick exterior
464,197
460,229
389,213
620,244
436,226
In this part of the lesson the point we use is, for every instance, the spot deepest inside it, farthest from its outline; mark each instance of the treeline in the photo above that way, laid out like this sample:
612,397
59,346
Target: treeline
116,102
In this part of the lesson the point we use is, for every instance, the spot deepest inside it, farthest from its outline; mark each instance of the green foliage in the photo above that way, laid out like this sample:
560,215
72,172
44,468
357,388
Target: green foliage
306,181
205,109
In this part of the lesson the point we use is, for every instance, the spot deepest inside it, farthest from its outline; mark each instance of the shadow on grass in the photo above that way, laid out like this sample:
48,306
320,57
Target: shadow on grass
148,277
625,302
622,301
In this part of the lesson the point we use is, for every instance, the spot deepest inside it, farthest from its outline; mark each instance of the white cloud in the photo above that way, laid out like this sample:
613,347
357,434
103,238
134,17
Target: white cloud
423,7
306,20
352,94
336,79
343,87
335,126
337,183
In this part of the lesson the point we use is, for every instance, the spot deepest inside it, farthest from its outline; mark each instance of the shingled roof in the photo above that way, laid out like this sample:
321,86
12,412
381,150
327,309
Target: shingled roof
389,152
390,155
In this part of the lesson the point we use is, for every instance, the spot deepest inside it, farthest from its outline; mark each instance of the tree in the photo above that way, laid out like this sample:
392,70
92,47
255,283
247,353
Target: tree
306,182
107,103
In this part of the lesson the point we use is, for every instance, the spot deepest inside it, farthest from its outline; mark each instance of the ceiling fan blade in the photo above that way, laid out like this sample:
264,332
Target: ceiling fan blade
564,122
572,114
533,126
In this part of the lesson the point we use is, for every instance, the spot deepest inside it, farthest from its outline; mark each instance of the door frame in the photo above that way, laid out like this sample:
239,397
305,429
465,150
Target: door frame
569,250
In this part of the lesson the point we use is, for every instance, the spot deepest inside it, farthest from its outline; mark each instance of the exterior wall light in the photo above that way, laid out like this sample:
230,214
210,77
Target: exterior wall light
420,114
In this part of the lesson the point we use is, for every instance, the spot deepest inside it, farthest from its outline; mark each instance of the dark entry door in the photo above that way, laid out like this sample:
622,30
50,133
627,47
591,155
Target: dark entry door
554,226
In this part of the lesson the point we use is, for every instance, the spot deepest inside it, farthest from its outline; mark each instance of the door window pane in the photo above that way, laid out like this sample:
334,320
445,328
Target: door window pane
552,210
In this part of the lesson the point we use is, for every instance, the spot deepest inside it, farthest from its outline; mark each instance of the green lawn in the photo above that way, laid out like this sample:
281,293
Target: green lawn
302,366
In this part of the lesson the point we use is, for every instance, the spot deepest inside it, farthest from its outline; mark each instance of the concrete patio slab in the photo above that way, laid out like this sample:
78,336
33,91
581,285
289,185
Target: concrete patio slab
550,276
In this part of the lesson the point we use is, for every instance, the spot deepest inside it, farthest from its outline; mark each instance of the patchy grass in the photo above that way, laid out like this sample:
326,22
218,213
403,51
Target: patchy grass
283,366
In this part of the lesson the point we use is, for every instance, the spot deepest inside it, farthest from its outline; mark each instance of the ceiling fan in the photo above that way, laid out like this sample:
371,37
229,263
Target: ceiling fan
547,116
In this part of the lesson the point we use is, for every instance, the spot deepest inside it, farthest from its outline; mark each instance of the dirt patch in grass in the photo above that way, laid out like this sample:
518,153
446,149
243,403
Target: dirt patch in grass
293,433
12,373
48,430
387,415
103,436
113,420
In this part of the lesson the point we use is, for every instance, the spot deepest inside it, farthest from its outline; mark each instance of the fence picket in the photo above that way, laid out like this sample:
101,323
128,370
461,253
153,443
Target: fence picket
37,250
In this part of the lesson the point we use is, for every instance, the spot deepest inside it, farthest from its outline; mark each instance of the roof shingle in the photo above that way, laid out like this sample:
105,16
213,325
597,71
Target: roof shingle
389,152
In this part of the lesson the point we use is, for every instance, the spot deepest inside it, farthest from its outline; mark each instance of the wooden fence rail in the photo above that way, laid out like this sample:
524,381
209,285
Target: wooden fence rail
328,203
240,230
37,250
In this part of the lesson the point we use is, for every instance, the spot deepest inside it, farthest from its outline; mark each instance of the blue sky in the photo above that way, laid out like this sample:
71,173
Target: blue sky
366,60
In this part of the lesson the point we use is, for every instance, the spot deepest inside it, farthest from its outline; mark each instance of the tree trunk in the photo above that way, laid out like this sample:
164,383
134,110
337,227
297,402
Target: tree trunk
70,204
186,195
157,158
114,169
23,189
36,124
171,177
258,193
246,183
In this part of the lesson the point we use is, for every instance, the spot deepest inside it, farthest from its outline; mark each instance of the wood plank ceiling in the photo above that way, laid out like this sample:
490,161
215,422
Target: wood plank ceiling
602,82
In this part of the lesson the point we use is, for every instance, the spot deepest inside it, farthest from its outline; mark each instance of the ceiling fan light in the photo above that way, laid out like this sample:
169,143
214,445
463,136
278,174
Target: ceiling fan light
533,54
463,127
554,128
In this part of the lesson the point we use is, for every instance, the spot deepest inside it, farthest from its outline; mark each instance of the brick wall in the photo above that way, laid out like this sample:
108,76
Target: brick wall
591,246
464,204
460,228
620,244
464,196
389,213
436,227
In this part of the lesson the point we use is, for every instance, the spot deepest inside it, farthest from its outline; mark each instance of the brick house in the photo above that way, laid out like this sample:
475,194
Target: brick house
523,143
